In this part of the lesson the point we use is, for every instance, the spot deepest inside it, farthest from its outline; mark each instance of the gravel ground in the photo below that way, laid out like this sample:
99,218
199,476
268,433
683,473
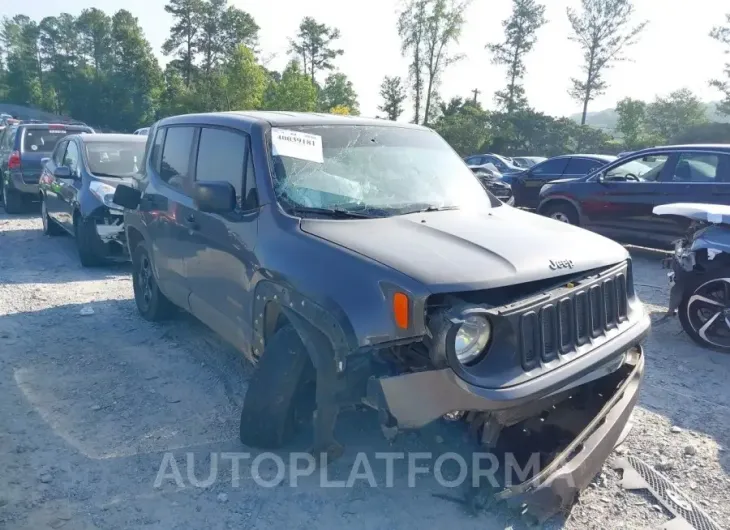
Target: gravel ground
91,403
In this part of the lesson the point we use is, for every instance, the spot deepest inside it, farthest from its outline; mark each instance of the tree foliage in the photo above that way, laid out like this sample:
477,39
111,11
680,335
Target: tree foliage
394,94
294,92
668,116
314,46
428,29
631,121
722,35
338,92
520,31
603,30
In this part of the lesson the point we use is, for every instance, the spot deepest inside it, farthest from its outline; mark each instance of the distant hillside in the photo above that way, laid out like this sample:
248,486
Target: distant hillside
606,119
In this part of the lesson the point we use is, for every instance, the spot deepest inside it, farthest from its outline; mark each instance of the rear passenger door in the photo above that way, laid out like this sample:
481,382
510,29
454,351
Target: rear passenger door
580,167
67,189
51,186
164,204
221,269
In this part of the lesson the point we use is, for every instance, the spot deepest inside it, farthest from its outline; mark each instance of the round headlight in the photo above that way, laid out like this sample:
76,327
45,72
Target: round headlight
472,338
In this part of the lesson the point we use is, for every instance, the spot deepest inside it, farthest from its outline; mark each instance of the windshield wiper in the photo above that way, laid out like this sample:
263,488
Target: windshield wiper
430,208
334,213
107,175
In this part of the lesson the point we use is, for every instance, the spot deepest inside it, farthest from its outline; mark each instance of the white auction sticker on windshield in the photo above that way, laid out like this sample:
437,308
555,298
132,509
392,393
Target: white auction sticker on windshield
296,144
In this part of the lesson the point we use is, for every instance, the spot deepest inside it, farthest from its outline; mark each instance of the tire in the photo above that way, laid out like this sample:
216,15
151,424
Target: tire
151,303
281,393
88,244
12,201
50,228
563,212
689,309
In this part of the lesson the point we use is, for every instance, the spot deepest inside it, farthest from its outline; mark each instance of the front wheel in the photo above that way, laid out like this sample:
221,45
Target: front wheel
563,212
705,311
88,244
281,393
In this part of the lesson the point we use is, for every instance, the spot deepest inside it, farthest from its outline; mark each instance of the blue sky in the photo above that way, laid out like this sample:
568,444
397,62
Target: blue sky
674,52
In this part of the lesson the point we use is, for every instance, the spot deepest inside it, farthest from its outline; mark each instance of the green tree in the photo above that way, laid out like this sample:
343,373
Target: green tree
603,30
393,94
464,125
238,27
669,116
428,29
245,80
182,41
294,92
722,35
520,37
24,76
707,133
338,92
136,78
314,45
95,27
631,118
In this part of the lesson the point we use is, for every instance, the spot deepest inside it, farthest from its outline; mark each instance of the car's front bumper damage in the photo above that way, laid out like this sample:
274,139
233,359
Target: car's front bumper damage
613,370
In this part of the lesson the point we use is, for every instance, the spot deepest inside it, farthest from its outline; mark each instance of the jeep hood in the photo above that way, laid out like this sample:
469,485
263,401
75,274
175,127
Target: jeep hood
457,250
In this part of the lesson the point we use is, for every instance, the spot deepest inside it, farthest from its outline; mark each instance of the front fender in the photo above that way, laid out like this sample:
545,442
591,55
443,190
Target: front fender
715,239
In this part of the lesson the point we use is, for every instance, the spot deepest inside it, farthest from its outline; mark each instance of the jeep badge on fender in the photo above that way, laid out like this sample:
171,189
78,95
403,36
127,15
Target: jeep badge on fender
562,264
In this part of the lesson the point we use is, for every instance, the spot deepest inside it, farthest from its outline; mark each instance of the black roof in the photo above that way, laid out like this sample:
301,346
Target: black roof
284,119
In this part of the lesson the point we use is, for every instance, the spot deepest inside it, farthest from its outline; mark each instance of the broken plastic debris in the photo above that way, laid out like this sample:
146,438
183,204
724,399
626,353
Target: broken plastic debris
87,310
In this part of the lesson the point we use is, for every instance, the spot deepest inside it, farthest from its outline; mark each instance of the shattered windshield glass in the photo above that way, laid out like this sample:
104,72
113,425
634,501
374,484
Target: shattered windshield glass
370,170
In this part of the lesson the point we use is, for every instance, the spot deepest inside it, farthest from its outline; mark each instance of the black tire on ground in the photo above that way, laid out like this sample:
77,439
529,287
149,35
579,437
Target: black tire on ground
50,227
562,211
88,244
151,303
692,286
281,394
12,201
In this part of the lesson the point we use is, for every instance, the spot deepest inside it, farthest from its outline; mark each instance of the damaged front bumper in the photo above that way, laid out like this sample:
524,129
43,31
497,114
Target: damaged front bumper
613,370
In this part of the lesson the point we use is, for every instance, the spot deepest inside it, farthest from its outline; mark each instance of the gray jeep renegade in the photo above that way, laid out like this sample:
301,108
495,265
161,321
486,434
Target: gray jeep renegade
360,261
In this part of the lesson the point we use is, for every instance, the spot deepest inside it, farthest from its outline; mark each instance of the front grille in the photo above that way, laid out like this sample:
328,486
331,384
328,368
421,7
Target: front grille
580,316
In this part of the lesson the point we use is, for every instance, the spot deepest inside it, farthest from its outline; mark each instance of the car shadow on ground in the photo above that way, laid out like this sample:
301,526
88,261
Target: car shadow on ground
114,394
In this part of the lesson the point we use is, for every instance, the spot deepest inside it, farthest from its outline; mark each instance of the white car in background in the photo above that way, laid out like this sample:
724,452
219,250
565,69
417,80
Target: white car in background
143,131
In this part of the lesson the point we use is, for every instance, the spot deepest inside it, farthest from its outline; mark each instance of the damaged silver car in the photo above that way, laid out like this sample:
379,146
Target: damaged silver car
700,273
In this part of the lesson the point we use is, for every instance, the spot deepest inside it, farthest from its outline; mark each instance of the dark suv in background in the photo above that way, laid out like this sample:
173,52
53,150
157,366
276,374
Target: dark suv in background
22,148
359,261
526,185
618,200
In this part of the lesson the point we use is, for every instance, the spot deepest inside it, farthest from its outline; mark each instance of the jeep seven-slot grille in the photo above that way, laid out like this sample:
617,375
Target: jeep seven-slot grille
561,325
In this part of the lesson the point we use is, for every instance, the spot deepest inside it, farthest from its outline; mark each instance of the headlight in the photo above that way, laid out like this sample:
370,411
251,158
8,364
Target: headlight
103,192
471,338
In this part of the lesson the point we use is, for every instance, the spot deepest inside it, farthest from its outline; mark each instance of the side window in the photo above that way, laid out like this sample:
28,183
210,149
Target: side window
71,158
176,155
551,167
474,160
695,167
496,162
58,153
156,149
646,169
580,166
221,156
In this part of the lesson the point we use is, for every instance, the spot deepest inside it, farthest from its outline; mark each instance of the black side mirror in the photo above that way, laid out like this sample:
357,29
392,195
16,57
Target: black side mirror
127,197
62,172
214,197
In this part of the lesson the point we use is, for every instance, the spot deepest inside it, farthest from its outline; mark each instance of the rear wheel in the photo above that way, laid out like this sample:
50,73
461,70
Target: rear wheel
705,311
12,201
563,212
50,228
151,303
88,244
281,394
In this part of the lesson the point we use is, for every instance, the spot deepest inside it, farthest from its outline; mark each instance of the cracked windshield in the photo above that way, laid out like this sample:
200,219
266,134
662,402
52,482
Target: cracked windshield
376,171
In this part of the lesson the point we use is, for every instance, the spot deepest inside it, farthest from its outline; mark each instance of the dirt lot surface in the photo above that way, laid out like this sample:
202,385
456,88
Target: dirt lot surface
92,397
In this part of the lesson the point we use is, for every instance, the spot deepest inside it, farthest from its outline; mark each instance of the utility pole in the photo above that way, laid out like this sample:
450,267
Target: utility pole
476,92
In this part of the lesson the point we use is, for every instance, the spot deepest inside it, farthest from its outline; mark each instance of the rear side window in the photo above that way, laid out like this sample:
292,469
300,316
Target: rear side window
221,156
58,154
697,167
71,158
551,167
176,155
42,140
156,149
581,166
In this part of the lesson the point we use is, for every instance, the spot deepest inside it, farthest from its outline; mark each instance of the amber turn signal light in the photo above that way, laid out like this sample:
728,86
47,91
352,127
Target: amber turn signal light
400,310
